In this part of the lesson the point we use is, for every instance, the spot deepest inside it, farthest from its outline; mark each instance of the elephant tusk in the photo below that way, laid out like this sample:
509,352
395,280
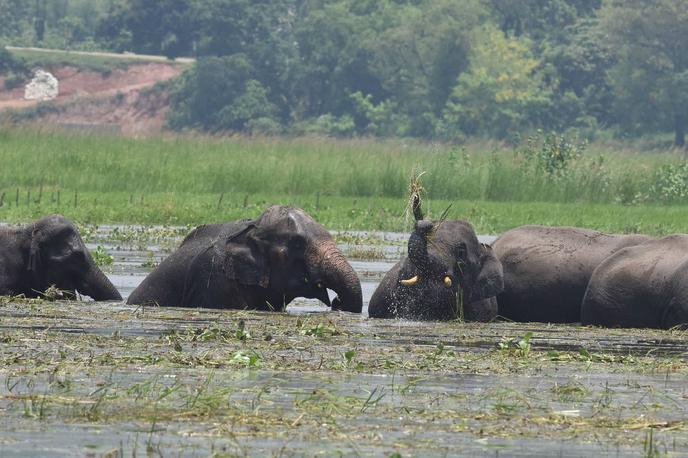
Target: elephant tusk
410,282
448,281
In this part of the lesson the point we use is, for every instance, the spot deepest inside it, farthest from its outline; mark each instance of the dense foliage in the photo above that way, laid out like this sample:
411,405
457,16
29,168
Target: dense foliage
444,69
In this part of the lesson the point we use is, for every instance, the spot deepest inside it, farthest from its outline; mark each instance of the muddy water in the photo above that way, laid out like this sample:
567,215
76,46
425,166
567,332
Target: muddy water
107,379
373,432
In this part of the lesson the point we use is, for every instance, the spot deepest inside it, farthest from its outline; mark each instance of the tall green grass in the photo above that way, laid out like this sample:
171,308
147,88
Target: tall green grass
176,171
357,168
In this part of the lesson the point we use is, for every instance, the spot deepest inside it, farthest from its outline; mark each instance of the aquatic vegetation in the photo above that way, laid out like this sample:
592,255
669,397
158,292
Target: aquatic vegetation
102,257
365,253
516,347
257,380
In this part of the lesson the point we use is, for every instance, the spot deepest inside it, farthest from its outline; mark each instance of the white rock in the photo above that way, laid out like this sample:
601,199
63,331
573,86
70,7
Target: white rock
43,86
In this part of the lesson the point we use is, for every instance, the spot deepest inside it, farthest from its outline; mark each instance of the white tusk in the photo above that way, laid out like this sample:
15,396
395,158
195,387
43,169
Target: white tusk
410,282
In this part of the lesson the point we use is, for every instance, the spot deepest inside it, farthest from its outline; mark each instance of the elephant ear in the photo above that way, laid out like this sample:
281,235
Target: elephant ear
461,252
246,260
490,279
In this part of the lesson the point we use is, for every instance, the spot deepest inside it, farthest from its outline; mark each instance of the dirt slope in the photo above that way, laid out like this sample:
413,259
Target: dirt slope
118,100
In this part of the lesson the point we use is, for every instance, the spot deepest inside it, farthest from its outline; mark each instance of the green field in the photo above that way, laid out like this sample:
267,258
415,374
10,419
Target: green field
103,63
346,184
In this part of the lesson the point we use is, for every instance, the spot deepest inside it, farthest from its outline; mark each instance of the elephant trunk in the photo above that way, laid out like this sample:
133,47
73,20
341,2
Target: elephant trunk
338,275
418,244
96,285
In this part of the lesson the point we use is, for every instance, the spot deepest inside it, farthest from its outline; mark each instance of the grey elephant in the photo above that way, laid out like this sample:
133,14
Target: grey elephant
546,269
447,269
258,264
645,286
50,252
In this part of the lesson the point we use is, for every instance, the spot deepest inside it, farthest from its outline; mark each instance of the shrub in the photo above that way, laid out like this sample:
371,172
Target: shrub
13,81
552,155
670,183
10,64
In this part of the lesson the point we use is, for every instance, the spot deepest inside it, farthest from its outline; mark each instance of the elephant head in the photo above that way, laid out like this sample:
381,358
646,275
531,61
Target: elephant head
286,254
57,256
446,268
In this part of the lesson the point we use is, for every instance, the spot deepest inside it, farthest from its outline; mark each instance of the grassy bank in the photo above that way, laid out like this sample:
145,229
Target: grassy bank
356,184
101,62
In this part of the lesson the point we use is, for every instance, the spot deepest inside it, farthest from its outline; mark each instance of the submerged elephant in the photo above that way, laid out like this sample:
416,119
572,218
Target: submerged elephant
642,286
255,264
50,252
447,269
546,269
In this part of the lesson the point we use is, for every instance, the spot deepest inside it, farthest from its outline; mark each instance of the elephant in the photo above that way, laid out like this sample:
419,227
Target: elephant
641,286
546,269
50,252
446,268
260,264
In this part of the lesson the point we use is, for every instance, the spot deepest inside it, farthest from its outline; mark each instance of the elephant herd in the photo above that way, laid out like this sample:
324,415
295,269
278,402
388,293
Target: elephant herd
530,273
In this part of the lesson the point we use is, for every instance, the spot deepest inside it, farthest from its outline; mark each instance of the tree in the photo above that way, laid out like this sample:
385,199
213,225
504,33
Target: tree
539,19
651,77
14,18
113,29
503,90
39,18
73,30
261,30
252,104
220,93
334,57
419,58
161,27
577,68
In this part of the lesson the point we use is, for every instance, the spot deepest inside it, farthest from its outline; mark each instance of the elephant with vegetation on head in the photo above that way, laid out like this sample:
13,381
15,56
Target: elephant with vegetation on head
254,264
644,286
546,269
447,270
50,252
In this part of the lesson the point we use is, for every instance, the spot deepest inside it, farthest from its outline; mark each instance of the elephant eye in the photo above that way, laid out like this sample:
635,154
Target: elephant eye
280,252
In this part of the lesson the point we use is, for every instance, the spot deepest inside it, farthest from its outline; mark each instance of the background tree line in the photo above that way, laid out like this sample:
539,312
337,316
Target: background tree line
423,68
